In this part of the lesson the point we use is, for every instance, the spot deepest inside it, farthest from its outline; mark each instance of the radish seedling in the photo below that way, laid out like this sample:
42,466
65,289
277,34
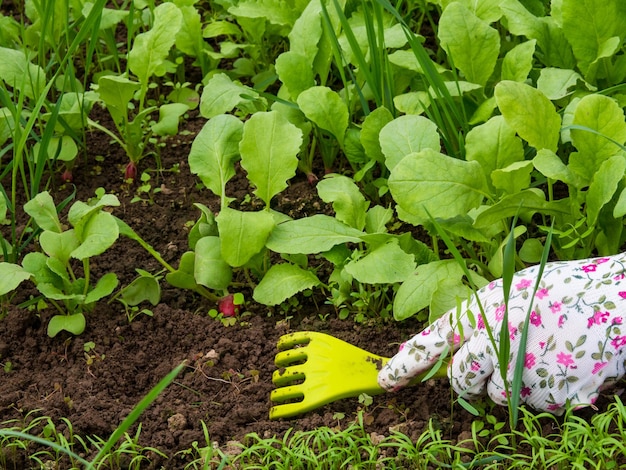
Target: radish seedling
52,270
147,58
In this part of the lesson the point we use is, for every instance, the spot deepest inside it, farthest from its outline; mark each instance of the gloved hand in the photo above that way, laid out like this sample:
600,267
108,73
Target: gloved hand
576,338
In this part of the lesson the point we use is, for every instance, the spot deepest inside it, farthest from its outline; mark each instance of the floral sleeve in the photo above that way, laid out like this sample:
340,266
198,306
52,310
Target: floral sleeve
576,337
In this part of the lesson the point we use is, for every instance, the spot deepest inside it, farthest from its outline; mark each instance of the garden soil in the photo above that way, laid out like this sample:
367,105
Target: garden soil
227,378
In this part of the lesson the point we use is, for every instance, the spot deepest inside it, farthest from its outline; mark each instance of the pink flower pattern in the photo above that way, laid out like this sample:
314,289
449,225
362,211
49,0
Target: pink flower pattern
555,307
564,359
535,318
499,313
575,338
561,355
598,318
598,366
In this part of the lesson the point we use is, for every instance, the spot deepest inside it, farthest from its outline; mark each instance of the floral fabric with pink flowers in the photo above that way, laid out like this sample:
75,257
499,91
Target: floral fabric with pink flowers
576,338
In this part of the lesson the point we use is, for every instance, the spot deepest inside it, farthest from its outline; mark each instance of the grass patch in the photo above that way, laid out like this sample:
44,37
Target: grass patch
543,441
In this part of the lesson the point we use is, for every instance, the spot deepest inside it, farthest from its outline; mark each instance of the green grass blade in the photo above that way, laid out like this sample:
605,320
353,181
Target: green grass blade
508,271
459,259
134,414
44,442
338,55
449,116
516,386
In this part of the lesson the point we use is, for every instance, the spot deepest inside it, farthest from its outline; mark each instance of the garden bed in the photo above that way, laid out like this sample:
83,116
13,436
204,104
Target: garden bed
227,381
421,114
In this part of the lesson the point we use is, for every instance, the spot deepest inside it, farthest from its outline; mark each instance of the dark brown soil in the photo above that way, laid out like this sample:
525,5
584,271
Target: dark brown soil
227,379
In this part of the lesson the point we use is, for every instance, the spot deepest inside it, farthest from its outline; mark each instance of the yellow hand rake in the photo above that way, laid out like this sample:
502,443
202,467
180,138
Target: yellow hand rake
315,369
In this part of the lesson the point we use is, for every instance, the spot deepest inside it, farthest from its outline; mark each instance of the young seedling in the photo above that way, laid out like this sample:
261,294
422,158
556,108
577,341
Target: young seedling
146,58
52,270
91,355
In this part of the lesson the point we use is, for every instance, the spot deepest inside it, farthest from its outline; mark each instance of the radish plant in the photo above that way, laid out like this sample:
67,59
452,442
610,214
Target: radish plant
93,230
119,93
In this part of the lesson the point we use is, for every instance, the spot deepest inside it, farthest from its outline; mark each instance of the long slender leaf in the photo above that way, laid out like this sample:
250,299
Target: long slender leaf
134,415
518,373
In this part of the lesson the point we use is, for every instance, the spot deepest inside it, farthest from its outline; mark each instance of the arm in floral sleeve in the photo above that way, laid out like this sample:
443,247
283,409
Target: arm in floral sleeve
576,338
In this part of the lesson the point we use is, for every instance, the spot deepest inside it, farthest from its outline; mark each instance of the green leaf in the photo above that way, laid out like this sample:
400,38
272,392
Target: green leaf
305,36
348,202
109,18
433,182
80,213
277,12
150,50
283,281
7,124
518,62
204,227
36,263
269,148
217,28
530,200
187,96
529,113
169,116
51,291
183,277
486,10
105,285
550,165
295,71
589,24
59,245
57,267
556,51
117,92
446,296
11,276
215,150
42,209
326,109
98,235
557,83
603,115
413,102
189,37
220,95
384,265
243,234
19,73
370,132
405,135
494,145
62,148
210,269
619,210
145,288
416,291
377,218
513,178
74,324
531,250
471,43
315,234
604,185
